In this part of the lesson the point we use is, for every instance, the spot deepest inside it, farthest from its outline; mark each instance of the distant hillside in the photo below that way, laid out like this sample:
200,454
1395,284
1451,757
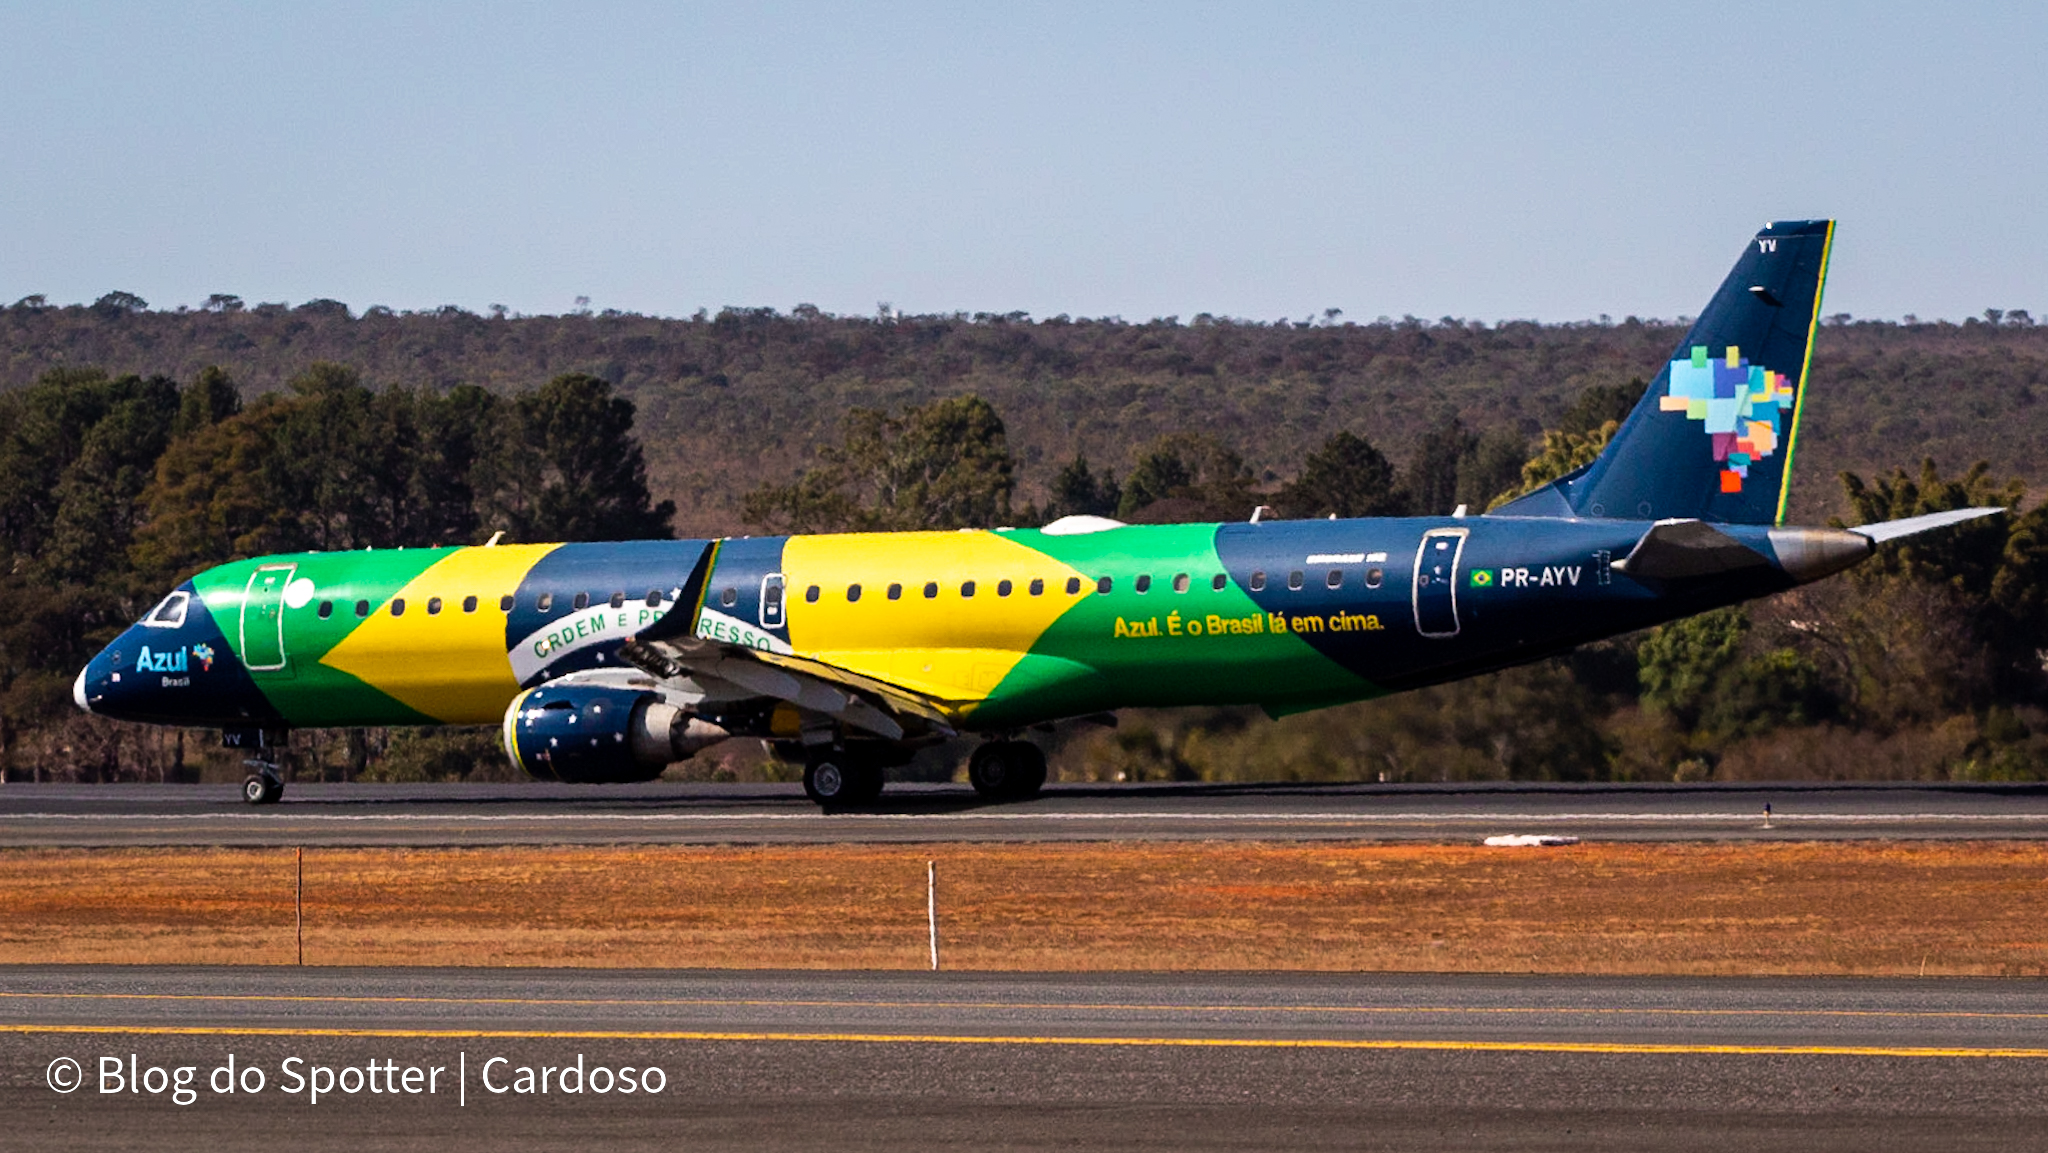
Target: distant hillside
729,401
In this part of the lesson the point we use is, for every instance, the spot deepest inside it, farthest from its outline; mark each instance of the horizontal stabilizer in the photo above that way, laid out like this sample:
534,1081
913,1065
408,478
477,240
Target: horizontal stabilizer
1674,549
1894,529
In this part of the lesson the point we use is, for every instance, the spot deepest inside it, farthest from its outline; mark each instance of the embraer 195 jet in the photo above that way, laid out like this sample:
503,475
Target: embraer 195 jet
609,662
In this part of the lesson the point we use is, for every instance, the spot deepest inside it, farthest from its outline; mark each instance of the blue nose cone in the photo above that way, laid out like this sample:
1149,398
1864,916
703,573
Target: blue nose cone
174,667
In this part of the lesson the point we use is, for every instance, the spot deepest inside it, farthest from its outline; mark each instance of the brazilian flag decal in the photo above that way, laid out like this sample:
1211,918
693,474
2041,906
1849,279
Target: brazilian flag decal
1481,578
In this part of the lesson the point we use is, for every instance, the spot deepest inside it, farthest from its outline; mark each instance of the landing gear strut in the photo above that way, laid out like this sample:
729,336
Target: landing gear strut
1007,770
837,781
265,786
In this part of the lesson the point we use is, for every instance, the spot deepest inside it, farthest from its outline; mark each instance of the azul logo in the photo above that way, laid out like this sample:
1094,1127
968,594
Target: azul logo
164,662
1744,408
204,655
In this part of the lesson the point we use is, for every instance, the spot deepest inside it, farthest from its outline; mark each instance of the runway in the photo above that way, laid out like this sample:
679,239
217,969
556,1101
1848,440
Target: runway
861,1061
660,813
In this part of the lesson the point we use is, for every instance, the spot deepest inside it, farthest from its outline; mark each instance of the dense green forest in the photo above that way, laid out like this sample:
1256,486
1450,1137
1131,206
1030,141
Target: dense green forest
727,399
138,445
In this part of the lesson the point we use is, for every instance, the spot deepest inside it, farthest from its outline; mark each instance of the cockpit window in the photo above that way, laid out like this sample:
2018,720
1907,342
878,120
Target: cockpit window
170,614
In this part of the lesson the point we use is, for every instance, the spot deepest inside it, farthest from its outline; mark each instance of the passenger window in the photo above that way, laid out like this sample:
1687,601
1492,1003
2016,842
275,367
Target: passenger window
546,602
852,593
469,604
729,597
326,609
966,588
931,590
1374,576
1336,578
619,600
1038,586
1073,585
1180,582
1003,588
505,603
1258,582
895,592
1144,582
654,598
811,595
398,606
1218,582
1104,584
362,608
582,601
433,606
1295,580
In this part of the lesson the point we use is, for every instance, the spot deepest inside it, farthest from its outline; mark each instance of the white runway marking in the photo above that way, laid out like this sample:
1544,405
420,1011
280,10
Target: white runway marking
930,818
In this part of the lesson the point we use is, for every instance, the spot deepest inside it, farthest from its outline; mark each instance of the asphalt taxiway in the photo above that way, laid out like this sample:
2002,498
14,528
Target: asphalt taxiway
482,814
908,1060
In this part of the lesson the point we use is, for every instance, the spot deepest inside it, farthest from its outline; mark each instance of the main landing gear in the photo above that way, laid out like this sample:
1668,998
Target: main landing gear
1007,770
837,781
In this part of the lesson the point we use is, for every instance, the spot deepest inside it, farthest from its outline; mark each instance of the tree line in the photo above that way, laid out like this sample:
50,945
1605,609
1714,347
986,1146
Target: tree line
730,397
115,489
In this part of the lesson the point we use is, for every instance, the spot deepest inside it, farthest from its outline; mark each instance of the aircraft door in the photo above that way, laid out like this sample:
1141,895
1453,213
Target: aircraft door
263,617
771,601
1436,582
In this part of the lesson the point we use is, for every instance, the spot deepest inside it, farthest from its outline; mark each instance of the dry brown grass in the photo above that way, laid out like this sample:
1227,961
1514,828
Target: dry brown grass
1861,907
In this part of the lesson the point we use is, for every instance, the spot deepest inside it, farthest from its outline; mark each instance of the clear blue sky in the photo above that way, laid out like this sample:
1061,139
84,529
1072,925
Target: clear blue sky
1490,160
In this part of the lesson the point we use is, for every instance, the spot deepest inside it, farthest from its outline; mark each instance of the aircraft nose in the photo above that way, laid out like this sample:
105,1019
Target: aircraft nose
78,690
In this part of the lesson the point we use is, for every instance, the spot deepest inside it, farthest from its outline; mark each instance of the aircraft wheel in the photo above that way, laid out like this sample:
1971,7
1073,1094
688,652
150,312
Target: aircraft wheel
258,789
1006,770
832,782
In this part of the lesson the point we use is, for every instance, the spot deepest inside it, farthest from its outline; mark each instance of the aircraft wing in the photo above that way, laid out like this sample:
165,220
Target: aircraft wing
720,669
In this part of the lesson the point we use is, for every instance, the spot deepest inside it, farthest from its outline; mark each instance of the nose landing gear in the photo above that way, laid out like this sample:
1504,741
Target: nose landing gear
265,786
262,788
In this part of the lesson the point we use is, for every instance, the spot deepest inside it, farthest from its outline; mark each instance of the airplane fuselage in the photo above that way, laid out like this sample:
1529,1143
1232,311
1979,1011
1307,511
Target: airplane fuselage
1006,627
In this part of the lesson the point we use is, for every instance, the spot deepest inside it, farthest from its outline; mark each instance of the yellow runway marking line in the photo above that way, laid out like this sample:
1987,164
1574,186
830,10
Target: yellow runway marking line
1103,1006
1592,1047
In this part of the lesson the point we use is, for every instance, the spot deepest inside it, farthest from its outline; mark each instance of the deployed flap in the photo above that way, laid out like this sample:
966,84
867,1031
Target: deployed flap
856,700
1674,549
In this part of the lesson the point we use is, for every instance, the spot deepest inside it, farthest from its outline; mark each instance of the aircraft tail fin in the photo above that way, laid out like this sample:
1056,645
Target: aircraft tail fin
1713,437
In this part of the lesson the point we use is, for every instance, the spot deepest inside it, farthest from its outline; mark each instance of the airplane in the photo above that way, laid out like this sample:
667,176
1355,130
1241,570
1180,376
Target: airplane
608,662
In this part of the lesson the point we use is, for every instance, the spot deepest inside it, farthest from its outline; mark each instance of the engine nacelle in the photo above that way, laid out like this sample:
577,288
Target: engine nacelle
598,734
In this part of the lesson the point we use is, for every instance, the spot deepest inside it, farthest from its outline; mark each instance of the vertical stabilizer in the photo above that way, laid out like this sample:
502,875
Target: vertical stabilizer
1714,435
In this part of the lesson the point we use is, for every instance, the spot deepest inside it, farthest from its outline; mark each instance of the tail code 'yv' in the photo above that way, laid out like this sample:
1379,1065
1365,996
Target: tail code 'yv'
1713,437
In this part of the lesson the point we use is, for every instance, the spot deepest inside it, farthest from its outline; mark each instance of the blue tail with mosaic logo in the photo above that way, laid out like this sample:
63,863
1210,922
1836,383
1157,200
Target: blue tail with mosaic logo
1713,437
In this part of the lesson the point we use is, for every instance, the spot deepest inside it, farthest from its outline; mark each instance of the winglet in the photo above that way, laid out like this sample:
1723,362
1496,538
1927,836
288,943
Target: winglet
681,621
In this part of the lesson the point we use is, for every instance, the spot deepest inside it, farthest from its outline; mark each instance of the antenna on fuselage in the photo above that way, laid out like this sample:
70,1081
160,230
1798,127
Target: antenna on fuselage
495,538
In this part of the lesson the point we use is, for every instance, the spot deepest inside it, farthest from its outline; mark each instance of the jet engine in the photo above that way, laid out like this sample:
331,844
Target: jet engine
600,734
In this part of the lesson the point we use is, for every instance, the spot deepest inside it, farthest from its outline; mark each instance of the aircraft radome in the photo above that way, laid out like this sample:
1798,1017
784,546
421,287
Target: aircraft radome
608,662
